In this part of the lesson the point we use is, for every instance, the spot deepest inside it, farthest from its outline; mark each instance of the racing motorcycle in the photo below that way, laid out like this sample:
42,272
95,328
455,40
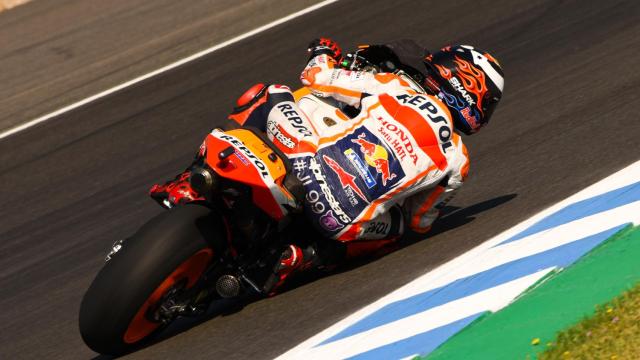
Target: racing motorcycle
223,246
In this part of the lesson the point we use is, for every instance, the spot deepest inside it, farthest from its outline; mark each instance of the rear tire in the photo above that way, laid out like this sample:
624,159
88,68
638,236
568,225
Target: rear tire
172,248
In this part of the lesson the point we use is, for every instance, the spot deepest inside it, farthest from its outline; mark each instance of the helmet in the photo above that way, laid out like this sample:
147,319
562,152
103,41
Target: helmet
469,81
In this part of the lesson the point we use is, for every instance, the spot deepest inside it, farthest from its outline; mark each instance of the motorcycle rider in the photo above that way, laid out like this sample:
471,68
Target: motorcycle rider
394,165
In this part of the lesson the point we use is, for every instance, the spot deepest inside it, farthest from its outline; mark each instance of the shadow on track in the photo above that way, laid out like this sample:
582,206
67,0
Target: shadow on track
217,308
453,217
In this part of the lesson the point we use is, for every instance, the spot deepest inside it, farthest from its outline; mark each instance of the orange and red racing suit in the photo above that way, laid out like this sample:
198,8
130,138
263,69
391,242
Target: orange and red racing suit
367,178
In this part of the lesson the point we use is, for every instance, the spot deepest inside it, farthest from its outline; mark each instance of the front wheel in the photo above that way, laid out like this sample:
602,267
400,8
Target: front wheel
168,254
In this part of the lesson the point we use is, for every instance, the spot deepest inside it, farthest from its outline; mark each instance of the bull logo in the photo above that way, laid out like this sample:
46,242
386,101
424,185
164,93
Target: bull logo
376,156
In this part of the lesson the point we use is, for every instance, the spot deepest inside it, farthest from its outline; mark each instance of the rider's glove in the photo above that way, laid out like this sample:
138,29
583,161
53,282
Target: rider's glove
324,46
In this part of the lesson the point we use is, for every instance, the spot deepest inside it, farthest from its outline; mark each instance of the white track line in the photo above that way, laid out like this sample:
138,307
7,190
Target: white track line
164,69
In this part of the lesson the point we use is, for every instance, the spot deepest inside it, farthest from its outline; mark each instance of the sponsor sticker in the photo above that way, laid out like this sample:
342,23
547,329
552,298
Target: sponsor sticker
294,118
375,156
347,181
361,168
329,222
398,139
458,86
435,116
241,157
274,130
241,148
316,171
377,228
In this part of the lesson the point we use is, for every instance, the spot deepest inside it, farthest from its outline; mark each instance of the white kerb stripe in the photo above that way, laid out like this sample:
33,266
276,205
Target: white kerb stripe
163,69
492,299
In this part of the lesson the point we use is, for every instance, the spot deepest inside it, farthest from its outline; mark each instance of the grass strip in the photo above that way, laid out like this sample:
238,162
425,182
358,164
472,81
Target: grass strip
613,332
528,326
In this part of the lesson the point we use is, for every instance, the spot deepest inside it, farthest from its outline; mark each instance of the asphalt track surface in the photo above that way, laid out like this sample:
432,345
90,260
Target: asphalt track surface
73,185
54,53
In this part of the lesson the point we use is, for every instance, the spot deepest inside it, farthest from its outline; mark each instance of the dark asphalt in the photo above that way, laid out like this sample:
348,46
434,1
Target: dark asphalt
54,53
72,186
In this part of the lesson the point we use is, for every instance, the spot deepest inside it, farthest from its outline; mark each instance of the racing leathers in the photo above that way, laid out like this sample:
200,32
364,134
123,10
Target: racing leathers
367,178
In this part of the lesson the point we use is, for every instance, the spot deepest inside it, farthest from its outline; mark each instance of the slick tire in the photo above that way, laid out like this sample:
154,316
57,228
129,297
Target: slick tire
173,247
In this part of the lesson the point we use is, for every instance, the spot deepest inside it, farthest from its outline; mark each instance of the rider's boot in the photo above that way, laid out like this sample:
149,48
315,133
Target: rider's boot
293,259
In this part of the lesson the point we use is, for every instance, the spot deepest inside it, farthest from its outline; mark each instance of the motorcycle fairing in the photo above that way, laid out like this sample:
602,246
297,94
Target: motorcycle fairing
253,163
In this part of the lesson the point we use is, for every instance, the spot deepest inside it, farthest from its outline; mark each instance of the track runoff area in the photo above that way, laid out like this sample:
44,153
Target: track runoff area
421,316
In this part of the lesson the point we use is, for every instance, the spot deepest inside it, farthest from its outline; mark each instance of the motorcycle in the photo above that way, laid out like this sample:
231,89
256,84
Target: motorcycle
222,246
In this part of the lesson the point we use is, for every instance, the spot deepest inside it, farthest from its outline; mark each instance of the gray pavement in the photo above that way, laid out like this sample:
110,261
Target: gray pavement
54,53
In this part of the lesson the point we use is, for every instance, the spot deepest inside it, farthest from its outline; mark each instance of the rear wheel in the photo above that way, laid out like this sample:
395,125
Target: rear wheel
167,256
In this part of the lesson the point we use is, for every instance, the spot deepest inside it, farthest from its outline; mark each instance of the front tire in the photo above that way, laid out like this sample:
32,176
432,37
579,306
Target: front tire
173,249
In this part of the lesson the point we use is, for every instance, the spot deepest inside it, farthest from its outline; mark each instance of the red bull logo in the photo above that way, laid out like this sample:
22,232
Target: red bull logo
376,156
